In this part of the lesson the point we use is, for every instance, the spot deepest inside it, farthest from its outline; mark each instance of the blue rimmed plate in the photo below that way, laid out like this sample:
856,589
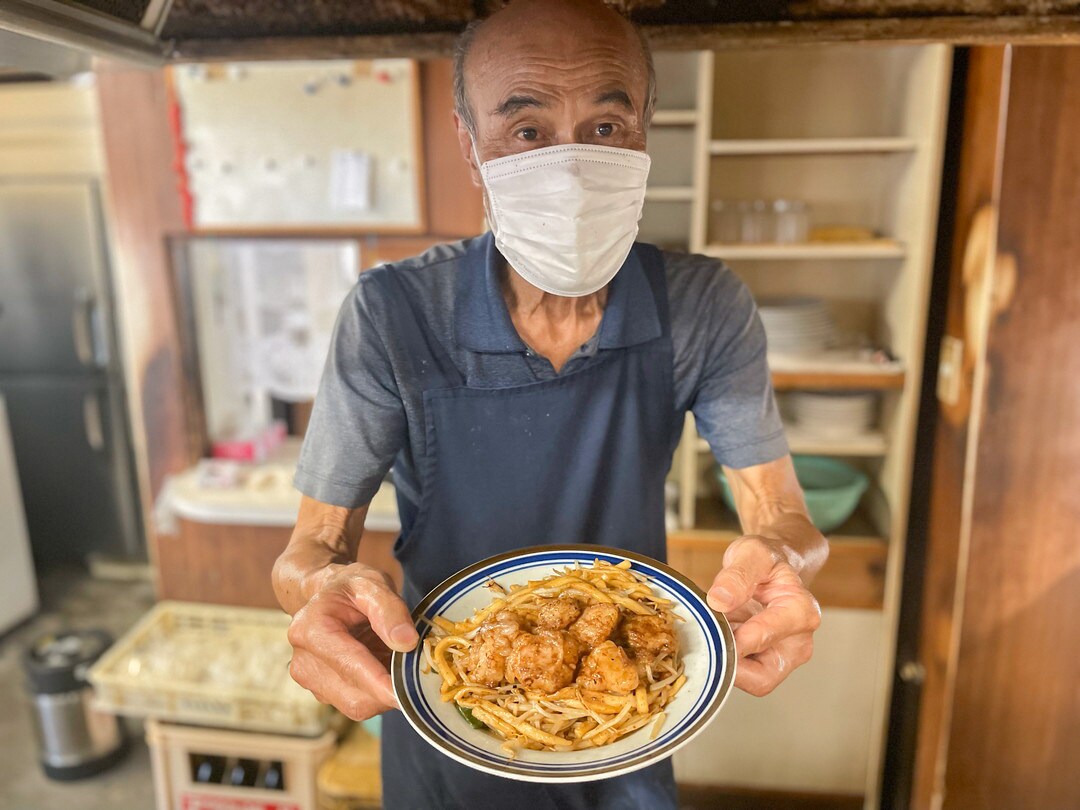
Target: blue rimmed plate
705,638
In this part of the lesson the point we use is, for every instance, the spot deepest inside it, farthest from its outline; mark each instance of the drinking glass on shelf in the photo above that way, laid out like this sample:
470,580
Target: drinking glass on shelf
791,221
756,222
726,223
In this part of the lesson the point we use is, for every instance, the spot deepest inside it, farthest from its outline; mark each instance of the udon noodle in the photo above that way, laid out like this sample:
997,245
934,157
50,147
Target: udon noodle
578,659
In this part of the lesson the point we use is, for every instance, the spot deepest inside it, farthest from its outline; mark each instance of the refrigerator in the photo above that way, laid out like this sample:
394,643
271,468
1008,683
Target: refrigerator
17,582
60,373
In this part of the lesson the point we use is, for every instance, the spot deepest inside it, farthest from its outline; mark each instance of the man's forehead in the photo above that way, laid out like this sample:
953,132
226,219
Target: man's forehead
601,75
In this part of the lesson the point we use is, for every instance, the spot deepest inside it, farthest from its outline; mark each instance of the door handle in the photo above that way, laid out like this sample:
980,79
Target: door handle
82,328
92,425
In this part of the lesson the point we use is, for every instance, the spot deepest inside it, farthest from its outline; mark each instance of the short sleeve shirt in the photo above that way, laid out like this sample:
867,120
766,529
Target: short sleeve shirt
369,411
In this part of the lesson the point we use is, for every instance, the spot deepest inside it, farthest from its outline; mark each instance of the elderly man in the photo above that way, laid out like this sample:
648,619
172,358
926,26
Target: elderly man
529,387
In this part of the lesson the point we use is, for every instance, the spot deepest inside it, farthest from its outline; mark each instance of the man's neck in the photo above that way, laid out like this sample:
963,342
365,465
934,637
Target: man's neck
554,326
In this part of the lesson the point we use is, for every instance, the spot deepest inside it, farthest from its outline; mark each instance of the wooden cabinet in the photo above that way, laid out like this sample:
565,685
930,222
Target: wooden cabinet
229,564
857,134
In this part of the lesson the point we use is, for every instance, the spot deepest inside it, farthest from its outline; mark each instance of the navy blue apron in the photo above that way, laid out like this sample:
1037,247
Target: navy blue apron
580,458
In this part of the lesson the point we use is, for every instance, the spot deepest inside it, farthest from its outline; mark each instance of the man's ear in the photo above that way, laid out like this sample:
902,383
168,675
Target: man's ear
466,146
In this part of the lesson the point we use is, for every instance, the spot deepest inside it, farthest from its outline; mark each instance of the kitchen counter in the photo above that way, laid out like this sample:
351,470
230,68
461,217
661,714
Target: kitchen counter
261,494
222,524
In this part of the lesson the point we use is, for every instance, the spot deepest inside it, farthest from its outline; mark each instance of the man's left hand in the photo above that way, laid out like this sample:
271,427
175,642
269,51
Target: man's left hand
772,613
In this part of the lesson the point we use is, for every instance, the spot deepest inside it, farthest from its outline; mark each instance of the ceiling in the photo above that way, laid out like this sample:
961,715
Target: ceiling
177,30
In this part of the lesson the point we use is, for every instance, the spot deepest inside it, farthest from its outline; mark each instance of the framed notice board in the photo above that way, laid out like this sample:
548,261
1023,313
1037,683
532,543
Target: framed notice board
301,146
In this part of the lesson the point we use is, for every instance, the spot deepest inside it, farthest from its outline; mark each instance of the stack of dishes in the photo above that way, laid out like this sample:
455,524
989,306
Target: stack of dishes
832,414
797,326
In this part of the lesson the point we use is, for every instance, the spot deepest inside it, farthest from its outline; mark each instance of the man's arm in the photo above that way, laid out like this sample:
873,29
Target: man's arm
346,616
762,586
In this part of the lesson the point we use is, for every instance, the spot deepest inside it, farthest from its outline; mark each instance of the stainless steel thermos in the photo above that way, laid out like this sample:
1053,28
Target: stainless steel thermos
75,739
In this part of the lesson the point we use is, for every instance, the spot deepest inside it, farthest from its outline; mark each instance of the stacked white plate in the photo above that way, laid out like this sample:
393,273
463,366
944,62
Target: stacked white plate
830,414
797,326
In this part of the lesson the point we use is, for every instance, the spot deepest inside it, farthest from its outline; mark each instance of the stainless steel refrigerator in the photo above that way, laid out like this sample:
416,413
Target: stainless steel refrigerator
60,372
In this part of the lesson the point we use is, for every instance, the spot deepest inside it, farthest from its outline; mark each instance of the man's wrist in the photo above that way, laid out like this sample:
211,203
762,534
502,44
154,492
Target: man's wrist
797,543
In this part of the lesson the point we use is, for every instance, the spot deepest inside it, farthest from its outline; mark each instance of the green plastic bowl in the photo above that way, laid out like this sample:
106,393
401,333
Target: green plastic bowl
832,489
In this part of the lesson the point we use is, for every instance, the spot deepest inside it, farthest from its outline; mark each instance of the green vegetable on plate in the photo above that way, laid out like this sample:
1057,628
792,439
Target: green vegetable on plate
468,715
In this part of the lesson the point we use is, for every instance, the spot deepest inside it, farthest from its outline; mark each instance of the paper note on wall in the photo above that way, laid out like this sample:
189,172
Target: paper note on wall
351,176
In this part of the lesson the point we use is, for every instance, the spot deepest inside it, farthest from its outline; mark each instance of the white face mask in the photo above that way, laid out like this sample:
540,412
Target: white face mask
565,217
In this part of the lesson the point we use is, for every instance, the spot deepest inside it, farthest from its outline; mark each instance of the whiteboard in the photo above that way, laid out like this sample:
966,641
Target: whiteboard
291,145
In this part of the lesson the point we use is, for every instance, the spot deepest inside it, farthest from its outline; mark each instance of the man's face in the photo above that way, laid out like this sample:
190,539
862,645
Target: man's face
554,82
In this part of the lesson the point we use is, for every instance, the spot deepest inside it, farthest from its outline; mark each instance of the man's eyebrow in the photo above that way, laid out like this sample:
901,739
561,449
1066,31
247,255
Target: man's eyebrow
619,97
513,104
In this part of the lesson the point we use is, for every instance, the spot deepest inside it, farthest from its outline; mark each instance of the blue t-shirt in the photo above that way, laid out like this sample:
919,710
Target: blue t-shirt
368,414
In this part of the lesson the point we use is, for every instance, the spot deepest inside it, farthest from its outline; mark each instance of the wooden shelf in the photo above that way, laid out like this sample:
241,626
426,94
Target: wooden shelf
675,118
811,146
870,445
853,577
871,249
837,380
669,194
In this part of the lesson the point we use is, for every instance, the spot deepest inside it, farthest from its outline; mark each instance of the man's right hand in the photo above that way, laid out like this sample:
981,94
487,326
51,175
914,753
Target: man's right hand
343,636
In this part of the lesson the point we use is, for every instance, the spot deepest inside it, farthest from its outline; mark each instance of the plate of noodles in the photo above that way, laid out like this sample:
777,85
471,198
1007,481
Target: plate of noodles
564,664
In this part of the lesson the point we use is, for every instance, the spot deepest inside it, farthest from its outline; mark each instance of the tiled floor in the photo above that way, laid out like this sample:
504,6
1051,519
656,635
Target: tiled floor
69,599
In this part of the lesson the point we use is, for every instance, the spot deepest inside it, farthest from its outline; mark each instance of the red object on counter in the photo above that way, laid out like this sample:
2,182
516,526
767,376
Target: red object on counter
251,448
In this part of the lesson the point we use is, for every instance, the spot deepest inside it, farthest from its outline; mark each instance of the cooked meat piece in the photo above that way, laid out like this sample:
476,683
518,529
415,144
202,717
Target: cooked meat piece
559,613
596,624
608,669
544,661
648,637
486,661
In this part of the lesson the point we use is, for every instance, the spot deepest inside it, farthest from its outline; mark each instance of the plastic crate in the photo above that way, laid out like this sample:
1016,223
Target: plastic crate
175,751
208,665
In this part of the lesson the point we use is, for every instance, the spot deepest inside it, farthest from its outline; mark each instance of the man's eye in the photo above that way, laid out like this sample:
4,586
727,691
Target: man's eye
605,130
529,134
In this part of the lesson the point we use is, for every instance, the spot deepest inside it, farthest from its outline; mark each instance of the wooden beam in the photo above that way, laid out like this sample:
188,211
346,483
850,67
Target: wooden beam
364,46
969,30
1059,29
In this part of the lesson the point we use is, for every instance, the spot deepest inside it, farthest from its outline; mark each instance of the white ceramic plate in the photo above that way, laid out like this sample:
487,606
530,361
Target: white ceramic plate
705,638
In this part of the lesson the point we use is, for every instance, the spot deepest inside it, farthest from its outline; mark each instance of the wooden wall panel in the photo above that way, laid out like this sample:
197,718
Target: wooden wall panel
1015,738
142,207
455,205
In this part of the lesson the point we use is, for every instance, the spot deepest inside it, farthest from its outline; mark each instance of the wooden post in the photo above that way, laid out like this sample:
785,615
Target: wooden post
986,96
143,209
